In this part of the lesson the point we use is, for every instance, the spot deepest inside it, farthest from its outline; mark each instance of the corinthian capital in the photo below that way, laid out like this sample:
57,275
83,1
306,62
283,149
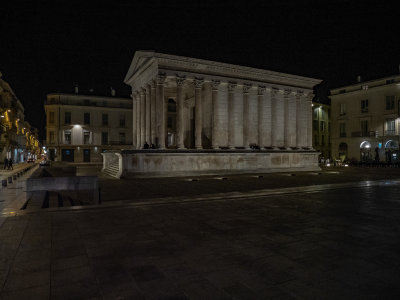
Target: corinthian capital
231,86
261,90
180,80
198,82
215,84
246,87
161,78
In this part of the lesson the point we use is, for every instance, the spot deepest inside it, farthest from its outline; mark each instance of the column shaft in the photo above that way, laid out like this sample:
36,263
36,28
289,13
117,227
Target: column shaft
215,109
309,121
286,126
231,102
246,116
138,141
148,113
142,117
162,111
180,130
198,113
134,128
299,122
260,116
153,114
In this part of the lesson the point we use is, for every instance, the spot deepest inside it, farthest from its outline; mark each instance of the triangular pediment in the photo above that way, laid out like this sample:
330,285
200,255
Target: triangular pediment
139,59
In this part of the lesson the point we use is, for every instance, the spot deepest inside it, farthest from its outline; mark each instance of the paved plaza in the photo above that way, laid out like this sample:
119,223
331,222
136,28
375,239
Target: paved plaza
332,234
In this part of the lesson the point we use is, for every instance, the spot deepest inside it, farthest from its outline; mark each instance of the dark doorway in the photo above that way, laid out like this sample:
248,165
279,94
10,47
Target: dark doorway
52,154
67,155
86,155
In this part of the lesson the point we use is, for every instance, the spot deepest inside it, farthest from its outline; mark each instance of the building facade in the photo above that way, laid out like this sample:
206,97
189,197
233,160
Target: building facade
18,140
321,129
80,127
365,120
222,111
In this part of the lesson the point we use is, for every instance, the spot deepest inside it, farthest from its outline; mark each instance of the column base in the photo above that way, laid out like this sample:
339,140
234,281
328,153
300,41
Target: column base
198,147
276,148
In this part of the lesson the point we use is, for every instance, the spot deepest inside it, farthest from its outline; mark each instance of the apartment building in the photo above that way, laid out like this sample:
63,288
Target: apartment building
365,120
321,128
80,127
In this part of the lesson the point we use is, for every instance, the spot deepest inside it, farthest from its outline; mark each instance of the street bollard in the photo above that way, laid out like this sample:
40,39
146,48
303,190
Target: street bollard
4,182
9,179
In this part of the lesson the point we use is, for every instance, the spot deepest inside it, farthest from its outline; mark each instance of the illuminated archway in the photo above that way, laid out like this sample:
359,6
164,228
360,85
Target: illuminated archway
365,145
390,144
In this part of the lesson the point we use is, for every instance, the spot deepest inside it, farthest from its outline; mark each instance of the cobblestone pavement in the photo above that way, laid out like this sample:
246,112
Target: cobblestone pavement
338,243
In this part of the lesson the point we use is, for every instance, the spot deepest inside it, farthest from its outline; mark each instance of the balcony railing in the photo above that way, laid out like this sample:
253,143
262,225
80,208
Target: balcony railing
363,134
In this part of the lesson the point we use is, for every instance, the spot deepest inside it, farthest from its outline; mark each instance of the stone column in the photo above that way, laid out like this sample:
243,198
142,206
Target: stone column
261,112
215,107
286,132
153,127
309,121
198,84
137,96
148,111
246,116
292,120
274,119
180,130
231,102
161,110
299,121
134,128
142,117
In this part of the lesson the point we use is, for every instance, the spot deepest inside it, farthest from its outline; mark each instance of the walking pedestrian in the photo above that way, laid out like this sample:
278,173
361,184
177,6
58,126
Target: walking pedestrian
10,164
5,163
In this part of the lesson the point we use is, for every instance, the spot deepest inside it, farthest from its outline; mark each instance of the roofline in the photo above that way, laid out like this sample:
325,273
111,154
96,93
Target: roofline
85,95
365,82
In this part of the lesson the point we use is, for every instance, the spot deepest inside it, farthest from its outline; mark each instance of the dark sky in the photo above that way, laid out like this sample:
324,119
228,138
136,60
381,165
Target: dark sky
47,46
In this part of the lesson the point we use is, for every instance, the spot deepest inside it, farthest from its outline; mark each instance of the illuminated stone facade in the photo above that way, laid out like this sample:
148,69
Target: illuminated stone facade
365,120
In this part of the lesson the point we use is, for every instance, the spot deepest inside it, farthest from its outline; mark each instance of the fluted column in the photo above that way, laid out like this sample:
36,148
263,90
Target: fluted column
215,107
309,120
299,121
274,119
246,116
292,120
231,102
148,113
261,115
198,84
133,121
286,130
142,117
161,110
153,113
138,142
180,130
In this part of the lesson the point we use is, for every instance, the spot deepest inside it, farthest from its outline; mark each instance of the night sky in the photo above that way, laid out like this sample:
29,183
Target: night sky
47,47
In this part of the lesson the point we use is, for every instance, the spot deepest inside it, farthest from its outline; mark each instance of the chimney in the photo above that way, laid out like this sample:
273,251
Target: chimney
112,92
359,78
76,88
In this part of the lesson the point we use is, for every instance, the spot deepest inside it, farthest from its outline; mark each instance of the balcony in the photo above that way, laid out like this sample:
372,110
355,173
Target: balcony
363,134
390,132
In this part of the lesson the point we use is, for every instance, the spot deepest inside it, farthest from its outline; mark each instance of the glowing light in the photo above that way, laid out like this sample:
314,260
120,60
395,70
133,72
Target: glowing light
328,165
346,165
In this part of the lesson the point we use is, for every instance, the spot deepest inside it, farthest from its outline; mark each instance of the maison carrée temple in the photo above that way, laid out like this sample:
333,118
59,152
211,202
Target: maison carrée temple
193,116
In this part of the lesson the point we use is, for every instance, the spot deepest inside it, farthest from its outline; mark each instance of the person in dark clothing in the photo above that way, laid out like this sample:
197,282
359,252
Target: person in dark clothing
377,154
5,163
146,146
10,164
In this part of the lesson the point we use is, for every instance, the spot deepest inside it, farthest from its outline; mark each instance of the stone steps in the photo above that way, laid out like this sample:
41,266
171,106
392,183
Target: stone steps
112,170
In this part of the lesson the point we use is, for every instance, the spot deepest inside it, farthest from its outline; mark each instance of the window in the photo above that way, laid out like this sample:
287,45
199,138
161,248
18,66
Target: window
364,105
390,127
51,118
342,109
67,137
389,102
322,125
104,138
322,140
51,137
86,118
342,129
122,120
67,117
86,137
315,124
364,127
122,138
104,119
